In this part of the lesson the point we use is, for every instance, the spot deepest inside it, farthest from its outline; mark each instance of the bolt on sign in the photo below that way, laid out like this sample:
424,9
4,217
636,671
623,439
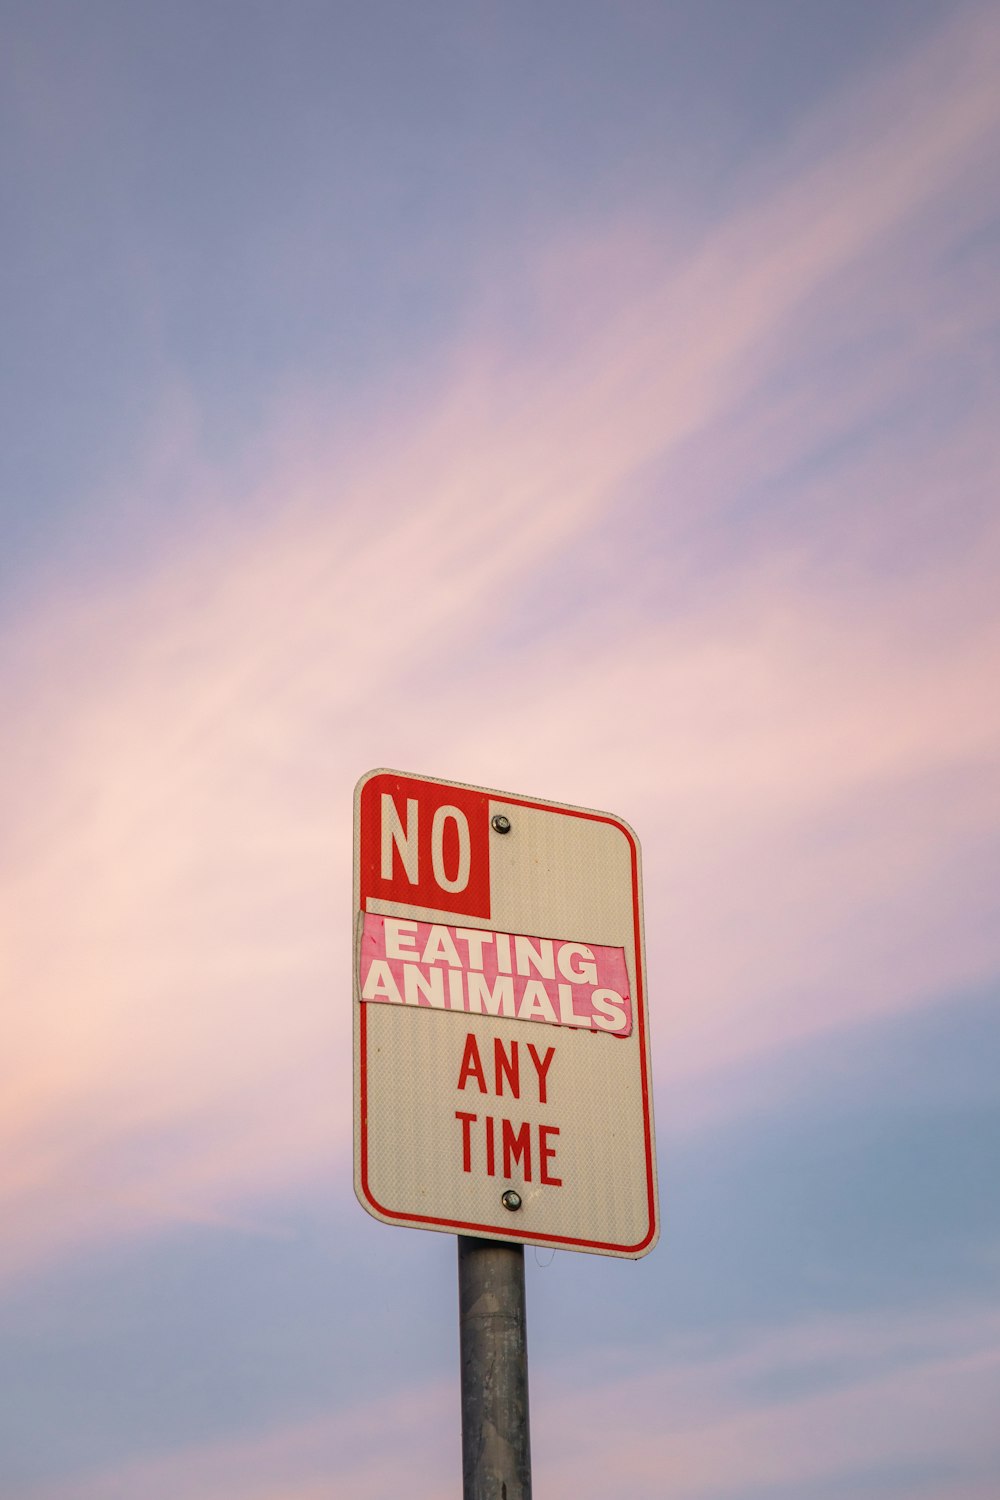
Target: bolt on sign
501,1035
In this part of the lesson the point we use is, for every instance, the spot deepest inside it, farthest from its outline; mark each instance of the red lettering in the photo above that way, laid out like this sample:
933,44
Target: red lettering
542,1066
467,1123
472,1065
546,1152
503,1064
516,1148
516,1145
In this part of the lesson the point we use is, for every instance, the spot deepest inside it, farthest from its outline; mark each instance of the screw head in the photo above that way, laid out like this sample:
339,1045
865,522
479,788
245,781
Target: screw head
511,1200
500,822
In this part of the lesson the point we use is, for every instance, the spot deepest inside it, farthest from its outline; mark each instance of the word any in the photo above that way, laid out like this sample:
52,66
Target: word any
493,1143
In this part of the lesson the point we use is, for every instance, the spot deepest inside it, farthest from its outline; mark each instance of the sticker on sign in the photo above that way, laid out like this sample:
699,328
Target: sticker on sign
501,1031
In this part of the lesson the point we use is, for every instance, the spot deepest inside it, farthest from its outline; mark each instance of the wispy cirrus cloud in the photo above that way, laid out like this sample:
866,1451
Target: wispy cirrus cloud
809,1409
865,1402
806,734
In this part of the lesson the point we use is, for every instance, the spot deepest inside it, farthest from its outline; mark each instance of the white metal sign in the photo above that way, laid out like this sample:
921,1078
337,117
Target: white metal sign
501,1034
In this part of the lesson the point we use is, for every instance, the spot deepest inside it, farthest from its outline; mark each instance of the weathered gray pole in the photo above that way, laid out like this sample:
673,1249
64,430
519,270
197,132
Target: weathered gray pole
496,1453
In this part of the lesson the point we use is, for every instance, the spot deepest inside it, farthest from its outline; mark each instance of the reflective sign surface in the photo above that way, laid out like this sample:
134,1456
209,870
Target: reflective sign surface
501,1030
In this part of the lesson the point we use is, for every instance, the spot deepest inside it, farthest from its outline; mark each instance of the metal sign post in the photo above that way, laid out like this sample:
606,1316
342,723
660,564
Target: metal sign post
496,1450
501,1050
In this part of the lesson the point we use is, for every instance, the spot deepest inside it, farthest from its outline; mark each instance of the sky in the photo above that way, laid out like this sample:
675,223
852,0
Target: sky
595,402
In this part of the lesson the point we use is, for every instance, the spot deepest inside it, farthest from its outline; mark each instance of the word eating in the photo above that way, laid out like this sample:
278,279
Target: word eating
480,972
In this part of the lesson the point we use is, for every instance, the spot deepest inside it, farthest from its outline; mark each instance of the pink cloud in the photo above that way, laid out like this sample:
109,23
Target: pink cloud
710,1427
183,736
347,1449
858,1397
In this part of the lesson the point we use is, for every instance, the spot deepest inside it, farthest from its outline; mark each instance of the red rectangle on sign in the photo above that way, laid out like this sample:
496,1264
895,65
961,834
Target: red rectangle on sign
425,844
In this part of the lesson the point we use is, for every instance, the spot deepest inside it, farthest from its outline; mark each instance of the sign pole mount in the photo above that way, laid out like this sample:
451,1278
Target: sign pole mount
502,1063
496,1450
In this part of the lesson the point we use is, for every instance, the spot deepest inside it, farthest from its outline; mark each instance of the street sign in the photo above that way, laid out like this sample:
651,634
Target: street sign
501,1035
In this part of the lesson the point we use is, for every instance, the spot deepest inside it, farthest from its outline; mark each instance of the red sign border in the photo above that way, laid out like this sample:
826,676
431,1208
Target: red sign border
497,1230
